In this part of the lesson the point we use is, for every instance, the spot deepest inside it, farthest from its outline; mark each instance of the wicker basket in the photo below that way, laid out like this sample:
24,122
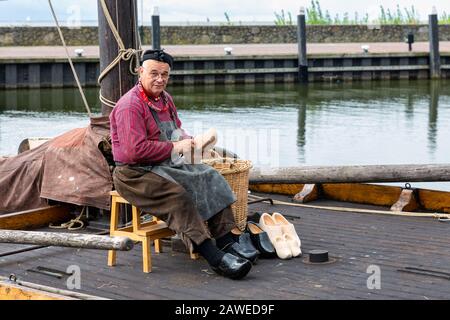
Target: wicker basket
235,172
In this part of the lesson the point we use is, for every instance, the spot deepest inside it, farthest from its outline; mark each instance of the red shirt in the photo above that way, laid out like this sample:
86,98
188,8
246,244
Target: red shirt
134,132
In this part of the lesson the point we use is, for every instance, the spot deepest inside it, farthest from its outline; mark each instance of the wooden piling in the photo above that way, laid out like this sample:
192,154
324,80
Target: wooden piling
301,38
156,30
435,59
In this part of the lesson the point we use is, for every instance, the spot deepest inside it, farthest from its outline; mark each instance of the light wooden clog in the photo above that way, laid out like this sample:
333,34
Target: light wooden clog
286,227
275,233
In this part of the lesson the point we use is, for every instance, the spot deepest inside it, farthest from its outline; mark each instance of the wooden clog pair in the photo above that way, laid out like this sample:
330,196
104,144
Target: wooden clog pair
282,234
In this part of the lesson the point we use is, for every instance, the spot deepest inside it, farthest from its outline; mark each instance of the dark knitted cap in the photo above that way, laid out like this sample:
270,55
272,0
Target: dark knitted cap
158,55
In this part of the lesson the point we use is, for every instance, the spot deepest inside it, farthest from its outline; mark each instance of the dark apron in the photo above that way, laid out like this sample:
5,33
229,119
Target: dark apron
209,190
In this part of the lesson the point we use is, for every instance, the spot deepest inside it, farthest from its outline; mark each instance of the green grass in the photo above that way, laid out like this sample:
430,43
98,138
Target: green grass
227,17
444,18
316,16
282,20
408,16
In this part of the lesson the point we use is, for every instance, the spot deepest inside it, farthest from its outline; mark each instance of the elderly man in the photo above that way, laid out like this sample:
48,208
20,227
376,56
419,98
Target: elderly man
148,143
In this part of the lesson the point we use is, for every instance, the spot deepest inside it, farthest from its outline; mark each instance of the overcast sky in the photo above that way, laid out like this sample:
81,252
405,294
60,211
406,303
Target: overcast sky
201,10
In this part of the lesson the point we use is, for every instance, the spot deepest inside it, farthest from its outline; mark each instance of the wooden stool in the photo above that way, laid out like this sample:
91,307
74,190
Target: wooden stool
143,232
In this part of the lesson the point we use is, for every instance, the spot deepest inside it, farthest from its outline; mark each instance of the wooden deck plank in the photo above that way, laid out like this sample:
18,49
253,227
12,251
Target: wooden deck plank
357,240
334,234
367,222
105,285
193,274
125,274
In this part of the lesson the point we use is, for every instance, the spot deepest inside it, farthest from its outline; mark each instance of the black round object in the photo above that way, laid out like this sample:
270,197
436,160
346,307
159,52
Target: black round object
318,256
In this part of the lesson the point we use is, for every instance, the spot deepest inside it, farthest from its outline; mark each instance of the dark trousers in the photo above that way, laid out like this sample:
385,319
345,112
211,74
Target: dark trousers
171,203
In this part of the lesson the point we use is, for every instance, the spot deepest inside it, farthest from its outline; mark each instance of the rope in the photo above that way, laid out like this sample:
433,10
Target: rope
441,216
119,69
86,105
124,54
70,224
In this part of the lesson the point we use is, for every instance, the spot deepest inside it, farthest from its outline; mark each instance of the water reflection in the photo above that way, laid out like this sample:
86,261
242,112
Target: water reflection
409,110
301,132
320,123
234,96
48,100
314,96
433,116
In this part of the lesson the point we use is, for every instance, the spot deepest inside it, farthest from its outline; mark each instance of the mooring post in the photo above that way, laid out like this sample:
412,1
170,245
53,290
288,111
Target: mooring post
142,26
301,38
156,30
119,79
435,59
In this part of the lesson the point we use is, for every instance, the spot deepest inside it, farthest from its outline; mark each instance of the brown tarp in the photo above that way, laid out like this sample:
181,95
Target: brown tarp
70,168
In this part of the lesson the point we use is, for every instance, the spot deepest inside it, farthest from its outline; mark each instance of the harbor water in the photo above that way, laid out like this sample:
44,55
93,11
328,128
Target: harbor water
275,125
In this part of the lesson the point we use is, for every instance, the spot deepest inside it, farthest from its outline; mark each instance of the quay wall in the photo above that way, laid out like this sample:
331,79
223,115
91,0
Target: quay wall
56,73
234,34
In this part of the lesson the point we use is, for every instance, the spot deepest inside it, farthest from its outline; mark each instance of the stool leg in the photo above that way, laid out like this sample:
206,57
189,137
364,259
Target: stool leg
158,246
146,255
111,258
194,256
113,227
136,214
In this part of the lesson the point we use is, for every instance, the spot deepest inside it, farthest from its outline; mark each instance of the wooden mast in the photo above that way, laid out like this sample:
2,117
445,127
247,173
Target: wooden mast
119,80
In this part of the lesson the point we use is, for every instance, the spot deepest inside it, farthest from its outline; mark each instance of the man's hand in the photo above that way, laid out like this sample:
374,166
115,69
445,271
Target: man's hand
183,146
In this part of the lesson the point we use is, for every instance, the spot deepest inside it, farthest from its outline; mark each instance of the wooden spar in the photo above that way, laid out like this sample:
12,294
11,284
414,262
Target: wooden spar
119,80
74,240
352,174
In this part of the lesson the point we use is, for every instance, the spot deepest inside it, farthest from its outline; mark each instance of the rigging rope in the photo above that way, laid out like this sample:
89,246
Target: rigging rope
70,59
129,54
71,225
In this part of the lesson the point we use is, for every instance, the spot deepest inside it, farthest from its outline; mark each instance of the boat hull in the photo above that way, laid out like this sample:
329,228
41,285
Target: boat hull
431,200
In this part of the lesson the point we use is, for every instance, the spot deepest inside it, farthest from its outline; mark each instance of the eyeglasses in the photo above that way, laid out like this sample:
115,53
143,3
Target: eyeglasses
155,75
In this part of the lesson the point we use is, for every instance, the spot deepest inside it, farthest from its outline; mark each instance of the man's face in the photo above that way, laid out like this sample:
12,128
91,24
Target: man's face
154,76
